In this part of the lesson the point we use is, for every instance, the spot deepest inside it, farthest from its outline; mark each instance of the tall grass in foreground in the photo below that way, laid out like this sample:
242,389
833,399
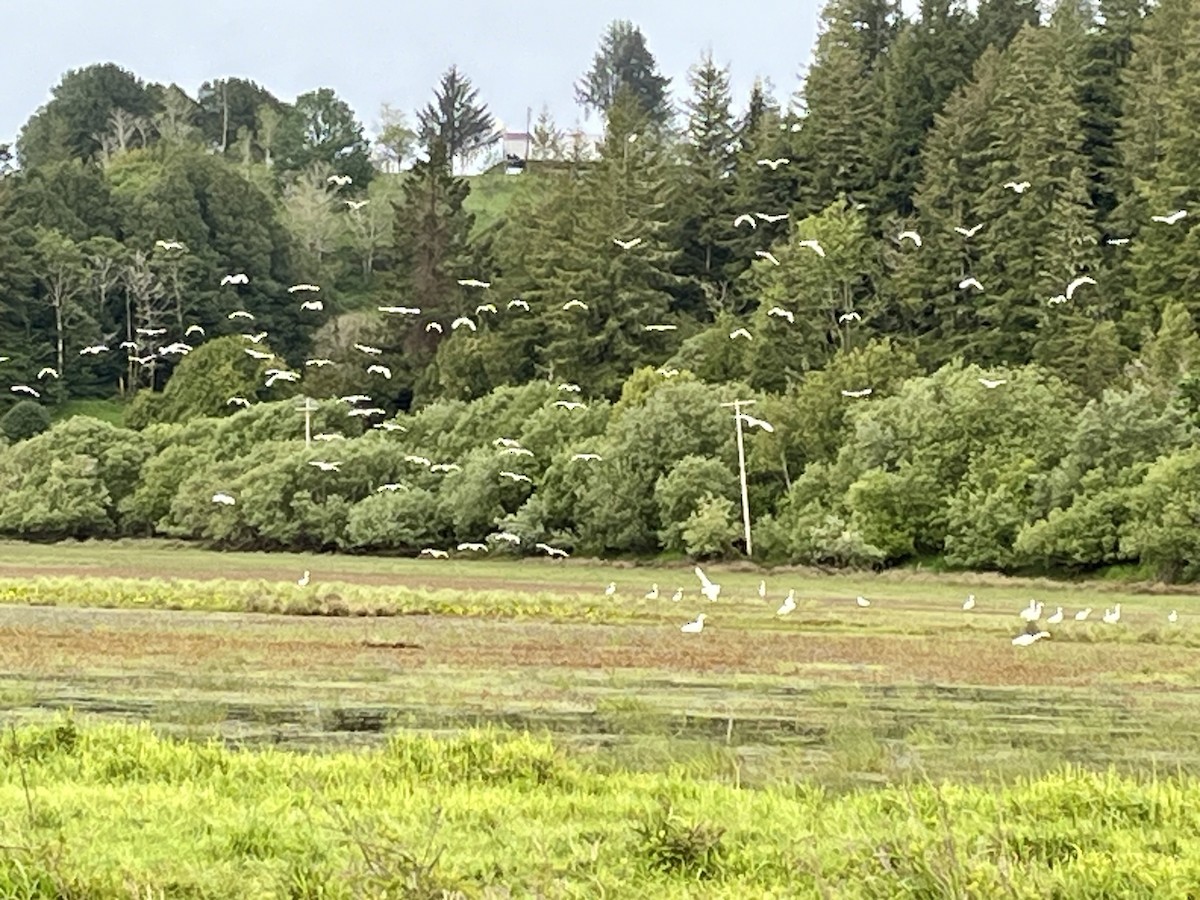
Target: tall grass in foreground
115,811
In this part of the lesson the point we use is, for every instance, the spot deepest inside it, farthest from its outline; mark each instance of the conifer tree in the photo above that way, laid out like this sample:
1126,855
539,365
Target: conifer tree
956,163
456,118
1161,157
842,99
1108,52
1159,57
622,196
704,194
624,62
761,134
930,58
1037,241
1000,20
432,250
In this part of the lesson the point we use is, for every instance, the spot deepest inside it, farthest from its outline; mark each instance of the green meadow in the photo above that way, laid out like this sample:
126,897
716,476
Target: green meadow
431,728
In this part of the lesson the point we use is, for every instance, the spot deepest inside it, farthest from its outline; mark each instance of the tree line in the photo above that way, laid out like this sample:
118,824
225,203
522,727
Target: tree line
961,195
1009,469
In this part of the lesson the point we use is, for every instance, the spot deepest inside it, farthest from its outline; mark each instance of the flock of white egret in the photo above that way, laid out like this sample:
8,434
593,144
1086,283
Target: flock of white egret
357,406
1032,614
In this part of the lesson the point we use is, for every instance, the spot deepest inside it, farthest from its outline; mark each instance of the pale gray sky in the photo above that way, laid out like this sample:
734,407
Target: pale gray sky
519,54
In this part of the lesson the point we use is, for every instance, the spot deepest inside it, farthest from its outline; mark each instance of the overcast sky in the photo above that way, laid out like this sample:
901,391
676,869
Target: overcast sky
519,54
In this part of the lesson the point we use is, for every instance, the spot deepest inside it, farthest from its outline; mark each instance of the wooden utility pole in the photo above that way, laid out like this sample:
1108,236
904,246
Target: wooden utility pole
308,408
741,448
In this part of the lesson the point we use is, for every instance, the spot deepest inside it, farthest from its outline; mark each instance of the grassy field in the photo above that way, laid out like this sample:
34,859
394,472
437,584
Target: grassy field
828,705
491,194
491,815
111,411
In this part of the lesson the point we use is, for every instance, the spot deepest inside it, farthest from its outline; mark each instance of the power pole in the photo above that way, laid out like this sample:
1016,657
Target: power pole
741,447
528,133
308,408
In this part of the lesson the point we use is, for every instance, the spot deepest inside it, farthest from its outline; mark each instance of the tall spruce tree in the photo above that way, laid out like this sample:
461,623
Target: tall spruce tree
956,163
1165,258
762,133
622,196
432,250
842,98
1000,20
1037,241
1157,146
704,194
625,62
456,119
1108,52
930,58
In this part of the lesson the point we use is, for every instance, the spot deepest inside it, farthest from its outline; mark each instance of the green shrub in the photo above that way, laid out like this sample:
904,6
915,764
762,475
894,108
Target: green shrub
24,420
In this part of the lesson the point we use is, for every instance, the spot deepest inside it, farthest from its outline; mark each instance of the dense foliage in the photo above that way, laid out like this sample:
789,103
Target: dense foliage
957,275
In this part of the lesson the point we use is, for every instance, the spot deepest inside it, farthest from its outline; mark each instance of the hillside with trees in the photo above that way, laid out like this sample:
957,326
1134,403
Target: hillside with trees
958,272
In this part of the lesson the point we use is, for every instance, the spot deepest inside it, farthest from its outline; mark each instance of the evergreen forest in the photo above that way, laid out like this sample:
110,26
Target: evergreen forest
957,272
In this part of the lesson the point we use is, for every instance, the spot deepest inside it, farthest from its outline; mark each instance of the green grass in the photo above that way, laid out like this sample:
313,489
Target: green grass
112,411
154,556
912,687
491,194
496,814
902,750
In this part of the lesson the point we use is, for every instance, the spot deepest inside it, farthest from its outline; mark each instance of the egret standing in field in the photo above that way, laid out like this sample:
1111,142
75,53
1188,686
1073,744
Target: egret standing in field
1028,638
303,580
708,588
694,627
788,605
969,603
611,589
